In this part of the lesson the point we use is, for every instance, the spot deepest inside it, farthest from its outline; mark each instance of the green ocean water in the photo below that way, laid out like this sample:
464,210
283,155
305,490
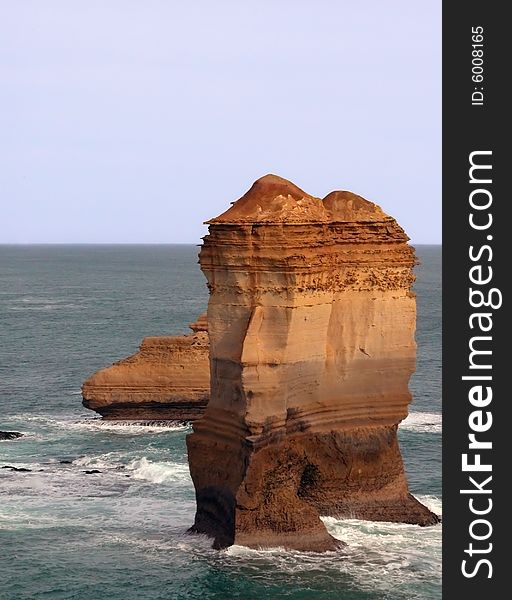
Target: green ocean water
120,534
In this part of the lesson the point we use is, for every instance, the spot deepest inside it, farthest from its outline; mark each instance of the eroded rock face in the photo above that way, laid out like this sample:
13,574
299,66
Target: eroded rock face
168,379
311,324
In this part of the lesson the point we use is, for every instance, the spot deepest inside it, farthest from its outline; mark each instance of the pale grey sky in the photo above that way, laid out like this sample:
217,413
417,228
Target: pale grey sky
134,121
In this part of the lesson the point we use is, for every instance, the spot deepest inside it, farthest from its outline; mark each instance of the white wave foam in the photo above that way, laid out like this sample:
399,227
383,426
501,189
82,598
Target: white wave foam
40,303
433,503
42,307
128,427
159,472
35,300
379,556
182,542
23,417
140,468
109,460
423,422
97,424
243,551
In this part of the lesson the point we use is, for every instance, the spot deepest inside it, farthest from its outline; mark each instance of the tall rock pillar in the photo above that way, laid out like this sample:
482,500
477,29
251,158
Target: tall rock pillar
311,323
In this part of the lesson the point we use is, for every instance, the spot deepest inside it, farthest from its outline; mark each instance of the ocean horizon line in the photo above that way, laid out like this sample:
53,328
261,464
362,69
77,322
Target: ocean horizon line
143,243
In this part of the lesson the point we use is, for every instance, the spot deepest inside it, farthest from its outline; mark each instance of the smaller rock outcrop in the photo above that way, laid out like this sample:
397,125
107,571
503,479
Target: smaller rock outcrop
168,379
17,469
10,435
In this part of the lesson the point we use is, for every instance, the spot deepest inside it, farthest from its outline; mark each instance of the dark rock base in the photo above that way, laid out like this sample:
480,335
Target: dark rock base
274,496
10,435
152,411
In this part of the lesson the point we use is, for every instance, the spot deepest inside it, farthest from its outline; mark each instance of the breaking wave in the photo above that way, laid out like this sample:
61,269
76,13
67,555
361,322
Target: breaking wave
159,472
129,427
96,424
388,557
139,468
423,422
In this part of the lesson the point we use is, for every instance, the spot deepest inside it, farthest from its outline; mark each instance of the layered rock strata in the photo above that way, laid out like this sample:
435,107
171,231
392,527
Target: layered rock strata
311,322
168,379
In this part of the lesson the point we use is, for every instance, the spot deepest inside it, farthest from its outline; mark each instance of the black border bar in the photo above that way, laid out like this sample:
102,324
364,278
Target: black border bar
474,128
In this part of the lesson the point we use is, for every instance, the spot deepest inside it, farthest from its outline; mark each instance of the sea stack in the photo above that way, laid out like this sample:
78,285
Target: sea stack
168,379
311,322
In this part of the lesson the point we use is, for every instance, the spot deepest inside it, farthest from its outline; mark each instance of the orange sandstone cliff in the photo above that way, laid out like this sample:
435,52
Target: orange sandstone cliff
168,379
311,322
